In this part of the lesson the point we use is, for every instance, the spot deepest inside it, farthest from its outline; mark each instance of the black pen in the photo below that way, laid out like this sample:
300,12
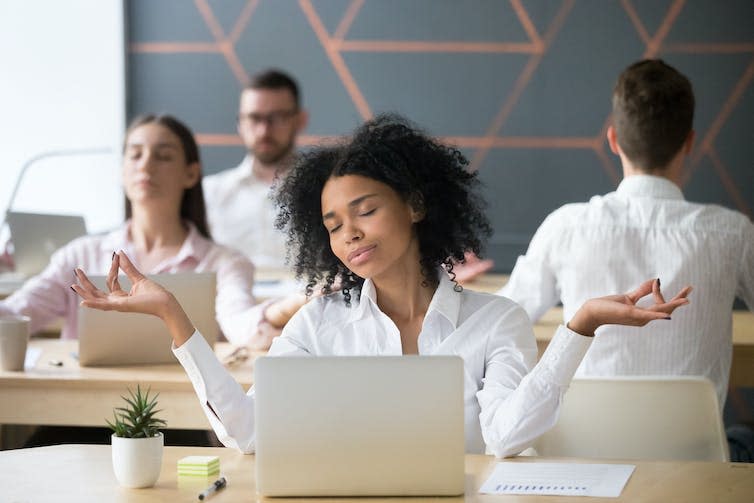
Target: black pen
216,486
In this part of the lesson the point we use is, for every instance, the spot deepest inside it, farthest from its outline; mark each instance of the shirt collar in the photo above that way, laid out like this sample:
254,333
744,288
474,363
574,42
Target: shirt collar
244,170
194,247
655,187
445,302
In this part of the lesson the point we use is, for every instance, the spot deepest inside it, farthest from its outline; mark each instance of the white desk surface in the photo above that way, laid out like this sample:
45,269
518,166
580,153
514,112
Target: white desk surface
83,473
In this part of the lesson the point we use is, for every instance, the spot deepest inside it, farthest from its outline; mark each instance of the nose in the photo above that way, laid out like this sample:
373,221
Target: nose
261,127
145,162
352,232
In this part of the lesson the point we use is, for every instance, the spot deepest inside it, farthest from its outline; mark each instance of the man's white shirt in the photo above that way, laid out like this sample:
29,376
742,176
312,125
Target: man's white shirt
508,400
645,229
241,215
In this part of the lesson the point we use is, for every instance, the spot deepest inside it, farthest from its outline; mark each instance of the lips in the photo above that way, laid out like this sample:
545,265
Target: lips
143,182
361,255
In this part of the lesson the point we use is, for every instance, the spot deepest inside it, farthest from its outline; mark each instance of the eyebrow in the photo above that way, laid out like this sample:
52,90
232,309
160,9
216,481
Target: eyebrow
355,202
159,145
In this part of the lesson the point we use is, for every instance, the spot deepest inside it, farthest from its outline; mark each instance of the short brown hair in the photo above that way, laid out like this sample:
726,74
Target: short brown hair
273,78
653,113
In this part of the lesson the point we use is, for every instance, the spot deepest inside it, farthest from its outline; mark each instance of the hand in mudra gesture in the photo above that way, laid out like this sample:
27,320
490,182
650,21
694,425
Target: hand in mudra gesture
145,296
622,309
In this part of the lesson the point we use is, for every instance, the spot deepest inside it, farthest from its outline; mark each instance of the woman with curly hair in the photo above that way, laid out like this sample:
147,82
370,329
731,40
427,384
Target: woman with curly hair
375,224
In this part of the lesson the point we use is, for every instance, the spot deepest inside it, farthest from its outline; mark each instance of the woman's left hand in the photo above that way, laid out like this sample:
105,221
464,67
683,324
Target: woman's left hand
622,309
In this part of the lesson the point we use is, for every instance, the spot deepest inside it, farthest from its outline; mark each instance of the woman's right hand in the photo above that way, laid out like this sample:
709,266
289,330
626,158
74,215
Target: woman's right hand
145,297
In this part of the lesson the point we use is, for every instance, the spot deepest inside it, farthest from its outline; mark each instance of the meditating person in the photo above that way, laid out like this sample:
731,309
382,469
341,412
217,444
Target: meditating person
374,224
165,232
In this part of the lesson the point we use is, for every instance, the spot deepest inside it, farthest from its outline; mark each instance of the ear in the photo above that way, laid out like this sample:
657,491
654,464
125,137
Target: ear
612,140
418,211
688,145
193,173
302,120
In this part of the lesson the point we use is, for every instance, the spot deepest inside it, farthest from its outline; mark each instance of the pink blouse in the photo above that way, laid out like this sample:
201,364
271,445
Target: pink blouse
48,295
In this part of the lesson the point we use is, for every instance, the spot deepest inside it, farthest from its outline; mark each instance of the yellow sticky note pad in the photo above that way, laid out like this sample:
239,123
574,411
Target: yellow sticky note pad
199,461
199,466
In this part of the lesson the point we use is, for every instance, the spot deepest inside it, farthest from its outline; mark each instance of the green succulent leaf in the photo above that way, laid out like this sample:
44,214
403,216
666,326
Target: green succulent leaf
138,419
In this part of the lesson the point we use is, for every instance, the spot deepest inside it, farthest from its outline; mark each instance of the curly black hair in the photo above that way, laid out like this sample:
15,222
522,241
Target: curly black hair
426,174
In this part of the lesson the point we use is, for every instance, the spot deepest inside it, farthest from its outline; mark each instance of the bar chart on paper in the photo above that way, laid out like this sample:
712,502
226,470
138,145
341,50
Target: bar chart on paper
561,479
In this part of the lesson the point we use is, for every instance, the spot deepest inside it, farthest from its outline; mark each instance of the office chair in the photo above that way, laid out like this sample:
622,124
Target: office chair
663,418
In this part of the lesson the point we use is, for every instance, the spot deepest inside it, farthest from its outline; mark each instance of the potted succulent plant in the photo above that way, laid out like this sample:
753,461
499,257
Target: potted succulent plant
137,441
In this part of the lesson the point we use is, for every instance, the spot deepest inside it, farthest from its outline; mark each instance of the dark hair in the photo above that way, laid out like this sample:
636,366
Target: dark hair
426,174
273,78
192,204
653,113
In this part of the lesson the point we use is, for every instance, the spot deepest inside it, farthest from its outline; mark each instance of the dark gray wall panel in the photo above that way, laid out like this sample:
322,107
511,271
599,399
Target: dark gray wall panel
549,149
592,47
279,35
165,21
449,94
714,21
206,100
430,20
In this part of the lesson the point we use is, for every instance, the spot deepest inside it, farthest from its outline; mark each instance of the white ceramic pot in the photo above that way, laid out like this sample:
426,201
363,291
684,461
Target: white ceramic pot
137,461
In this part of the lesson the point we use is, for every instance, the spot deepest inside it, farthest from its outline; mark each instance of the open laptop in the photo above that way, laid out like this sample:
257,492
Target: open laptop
36,236
112,338
359,426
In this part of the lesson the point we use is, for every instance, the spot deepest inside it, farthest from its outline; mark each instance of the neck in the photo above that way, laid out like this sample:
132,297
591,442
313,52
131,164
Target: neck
152,230
673,171
401,294
268,172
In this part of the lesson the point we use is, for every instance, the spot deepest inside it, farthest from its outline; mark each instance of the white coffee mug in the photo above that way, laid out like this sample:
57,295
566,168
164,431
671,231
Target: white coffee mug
14,337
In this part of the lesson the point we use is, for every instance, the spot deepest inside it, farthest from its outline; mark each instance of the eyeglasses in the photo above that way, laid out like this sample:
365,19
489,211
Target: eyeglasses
272,119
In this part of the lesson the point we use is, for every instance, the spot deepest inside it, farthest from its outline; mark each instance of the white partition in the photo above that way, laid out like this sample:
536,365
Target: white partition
63,87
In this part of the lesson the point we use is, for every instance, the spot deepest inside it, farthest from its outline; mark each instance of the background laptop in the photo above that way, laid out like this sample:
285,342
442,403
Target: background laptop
359,426
112,338
36,236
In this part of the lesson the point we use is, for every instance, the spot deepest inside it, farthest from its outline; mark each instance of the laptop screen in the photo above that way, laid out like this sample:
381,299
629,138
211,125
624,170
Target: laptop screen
36,236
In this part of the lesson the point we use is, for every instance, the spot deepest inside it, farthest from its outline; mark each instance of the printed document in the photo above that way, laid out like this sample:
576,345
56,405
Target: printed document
562,479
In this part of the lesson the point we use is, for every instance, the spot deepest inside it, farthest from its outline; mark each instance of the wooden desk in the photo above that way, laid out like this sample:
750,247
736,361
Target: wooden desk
742,365
74,396
84,396
83,473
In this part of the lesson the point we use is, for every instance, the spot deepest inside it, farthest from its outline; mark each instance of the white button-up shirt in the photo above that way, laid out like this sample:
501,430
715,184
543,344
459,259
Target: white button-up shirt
241,214
507,404
48,295
645,229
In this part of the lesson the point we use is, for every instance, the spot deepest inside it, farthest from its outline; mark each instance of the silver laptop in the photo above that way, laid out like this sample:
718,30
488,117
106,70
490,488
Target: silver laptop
112,338
359,426
36,236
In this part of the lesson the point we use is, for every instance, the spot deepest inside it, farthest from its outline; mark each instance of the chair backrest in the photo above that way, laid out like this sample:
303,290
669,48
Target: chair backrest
663,418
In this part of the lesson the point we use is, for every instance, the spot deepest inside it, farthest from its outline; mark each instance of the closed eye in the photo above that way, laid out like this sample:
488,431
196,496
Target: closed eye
367,213
335,229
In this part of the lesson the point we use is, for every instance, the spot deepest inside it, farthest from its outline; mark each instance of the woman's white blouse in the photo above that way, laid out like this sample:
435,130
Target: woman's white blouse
508,400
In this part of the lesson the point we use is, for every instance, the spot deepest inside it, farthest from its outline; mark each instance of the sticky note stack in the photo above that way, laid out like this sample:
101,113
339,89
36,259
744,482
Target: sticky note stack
199,466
